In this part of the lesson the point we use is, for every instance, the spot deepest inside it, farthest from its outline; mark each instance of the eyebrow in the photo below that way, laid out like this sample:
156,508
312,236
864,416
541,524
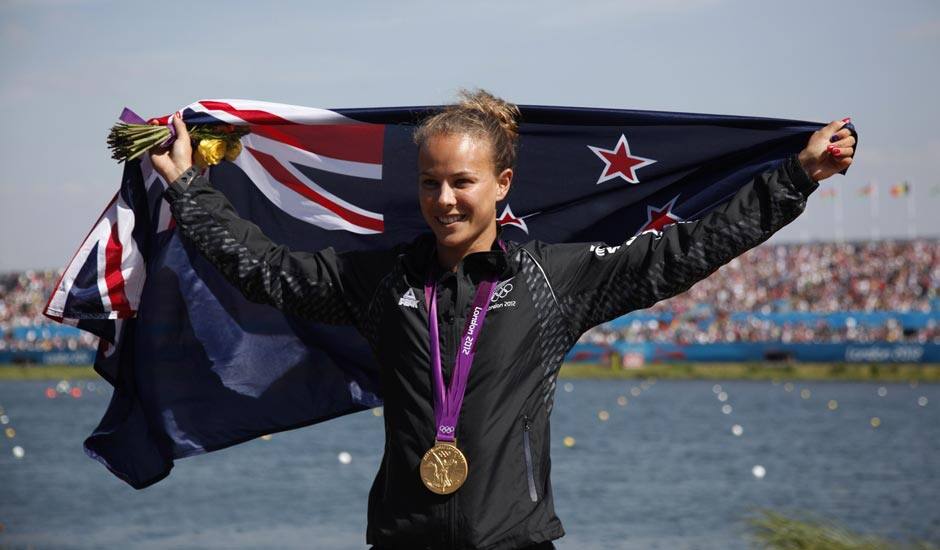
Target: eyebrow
460,173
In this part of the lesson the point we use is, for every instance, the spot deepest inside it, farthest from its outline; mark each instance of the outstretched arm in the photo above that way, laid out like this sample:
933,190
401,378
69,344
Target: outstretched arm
595,284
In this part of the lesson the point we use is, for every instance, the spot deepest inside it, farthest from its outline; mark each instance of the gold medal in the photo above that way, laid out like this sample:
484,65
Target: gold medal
443,468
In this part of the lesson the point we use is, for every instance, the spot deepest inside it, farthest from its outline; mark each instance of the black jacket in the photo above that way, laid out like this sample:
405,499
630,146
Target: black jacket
548,296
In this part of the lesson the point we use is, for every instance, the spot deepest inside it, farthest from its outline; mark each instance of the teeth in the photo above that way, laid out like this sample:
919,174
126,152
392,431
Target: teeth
449,219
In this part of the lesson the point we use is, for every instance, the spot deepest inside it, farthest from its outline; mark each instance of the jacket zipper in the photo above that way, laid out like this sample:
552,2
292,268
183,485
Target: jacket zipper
530,474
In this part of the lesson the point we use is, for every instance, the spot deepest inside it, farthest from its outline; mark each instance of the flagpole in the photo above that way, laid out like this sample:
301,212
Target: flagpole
911,229
840,230
873,212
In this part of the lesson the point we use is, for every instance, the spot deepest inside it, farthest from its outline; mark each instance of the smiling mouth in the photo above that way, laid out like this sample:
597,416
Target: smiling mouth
447,220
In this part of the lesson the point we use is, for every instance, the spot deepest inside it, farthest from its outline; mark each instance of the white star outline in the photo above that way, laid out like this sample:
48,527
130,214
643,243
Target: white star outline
516,221
649,215
626,145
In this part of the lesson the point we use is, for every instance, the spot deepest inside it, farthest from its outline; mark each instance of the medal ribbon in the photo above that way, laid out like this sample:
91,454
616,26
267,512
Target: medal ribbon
447,403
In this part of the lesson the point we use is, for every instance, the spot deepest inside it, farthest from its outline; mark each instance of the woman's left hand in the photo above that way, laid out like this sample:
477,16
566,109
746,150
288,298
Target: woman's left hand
829,150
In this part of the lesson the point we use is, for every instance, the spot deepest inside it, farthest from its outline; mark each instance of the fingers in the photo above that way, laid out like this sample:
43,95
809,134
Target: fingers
833,128
843,144
840,135
179,125
841,151
843,163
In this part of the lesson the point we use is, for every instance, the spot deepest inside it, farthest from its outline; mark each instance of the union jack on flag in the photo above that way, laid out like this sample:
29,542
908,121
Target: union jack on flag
174,331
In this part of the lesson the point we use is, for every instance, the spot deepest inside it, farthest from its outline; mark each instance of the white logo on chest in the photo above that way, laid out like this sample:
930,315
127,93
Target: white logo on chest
500,293
409,299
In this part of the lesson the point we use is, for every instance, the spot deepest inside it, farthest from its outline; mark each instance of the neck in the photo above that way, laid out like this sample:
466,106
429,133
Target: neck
449,257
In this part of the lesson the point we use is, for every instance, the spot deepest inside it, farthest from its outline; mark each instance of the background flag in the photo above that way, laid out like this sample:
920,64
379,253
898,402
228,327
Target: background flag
900,189
196,367
829,193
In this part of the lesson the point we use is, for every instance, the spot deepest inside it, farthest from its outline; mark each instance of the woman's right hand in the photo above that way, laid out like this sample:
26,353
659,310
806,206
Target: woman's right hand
170,162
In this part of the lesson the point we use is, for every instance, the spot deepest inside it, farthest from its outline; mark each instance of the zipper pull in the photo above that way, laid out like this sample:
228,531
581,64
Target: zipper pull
525,422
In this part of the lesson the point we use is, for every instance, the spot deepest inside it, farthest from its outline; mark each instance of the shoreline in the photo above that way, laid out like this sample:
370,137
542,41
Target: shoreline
845,372
837,372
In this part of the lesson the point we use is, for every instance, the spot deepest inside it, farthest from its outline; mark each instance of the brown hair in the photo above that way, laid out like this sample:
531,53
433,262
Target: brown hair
478,114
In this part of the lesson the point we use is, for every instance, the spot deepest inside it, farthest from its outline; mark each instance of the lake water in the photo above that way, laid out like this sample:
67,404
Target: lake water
663,471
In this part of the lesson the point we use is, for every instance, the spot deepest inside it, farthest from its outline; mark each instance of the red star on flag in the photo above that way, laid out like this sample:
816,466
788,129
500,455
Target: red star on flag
619,162
508,218
658,218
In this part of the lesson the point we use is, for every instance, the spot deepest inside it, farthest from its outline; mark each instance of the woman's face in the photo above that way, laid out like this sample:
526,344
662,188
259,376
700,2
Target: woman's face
458,190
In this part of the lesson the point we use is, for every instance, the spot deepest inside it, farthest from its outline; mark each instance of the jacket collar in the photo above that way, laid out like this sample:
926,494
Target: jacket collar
420,259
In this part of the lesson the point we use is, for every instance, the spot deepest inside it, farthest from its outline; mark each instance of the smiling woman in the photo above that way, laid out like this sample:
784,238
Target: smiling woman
466,462
466,155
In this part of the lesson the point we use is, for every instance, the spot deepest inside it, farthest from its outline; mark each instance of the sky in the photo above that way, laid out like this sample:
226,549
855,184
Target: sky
69,67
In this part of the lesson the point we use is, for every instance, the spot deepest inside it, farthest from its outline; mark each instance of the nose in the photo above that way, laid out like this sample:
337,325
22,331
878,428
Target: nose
445,197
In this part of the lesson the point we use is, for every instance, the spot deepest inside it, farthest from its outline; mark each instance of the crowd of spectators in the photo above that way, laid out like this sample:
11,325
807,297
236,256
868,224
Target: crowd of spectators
822,278
22,326
724,329
893,276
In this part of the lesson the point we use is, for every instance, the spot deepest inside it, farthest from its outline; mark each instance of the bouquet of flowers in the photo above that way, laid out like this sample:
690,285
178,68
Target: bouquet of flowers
132,137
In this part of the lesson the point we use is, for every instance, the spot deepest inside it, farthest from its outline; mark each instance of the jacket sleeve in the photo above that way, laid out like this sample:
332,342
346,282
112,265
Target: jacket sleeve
595,283
308,285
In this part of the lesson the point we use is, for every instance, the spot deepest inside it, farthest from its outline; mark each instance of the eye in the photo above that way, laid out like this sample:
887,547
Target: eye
430,184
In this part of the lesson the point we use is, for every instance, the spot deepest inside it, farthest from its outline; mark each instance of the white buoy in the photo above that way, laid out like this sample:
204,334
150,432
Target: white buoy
18,452
635,391
4,419
723,396
716,389
882,391
759,471
737,430
726,408
922,401
569,387
344,457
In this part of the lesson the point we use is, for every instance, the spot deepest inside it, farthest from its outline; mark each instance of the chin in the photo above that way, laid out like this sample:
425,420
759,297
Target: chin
452,240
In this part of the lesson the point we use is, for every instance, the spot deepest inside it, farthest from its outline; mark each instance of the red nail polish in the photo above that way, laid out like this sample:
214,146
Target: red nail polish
847,120
835,152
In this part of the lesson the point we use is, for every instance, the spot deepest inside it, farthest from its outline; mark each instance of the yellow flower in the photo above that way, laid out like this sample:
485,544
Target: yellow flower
232,150
209,152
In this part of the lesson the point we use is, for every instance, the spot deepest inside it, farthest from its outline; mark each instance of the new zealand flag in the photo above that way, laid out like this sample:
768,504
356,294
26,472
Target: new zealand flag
196,367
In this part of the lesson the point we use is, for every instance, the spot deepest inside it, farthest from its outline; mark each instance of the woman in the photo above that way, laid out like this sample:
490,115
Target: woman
466,462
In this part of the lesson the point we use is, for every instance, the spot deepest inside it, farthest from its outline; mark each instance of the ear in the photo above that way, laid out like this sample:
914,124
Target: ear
503,182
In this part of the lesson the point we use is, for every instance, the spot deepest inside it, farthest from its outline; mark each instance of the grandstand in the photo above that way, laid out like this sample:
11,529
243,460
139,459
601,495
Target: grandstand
863,301
832,302
26,336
